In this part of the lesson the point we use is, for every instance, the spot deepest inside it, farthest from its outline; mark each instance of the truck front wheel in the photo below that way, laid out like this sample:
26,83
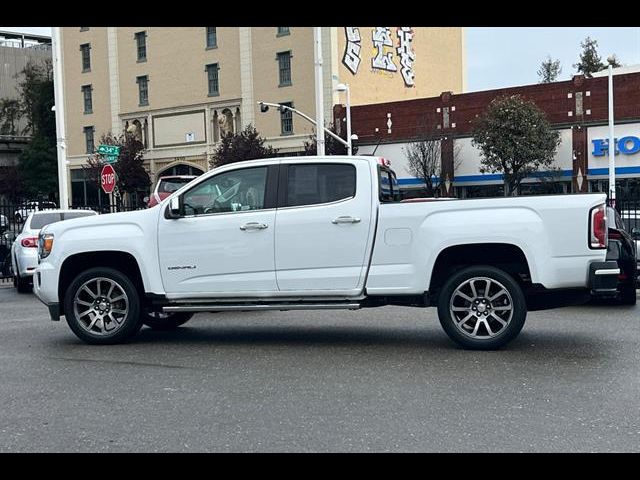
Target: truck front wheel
482,308
102,306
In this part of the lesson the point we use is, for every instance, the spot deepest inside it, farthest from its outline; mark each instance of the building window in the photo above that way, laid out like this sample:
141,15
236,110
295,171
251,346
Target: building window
213,79
284,67
286,119
85,50
84,29
283,31
143,90
85,192
87,98
141,45
88,139
212,37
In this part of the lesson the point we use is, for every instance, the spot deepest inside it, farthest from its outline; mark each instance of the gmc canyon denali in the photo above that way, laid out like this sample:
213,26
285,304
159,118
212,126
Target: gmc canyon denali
323,233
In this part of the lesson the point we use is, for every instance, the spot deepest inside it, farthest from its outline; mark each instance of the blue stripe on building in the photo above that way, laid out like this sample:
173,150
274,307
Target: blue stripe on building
498,176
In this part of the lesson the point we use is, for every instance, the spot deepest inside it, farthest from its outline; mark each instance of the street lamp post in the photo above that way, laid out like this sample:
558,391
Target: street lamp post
264,107
344,87
612,146
61,142
317,39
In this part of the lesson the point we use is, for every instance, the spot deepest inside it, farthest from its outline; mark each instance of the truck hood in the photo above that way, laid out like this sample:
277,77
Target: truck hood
135,217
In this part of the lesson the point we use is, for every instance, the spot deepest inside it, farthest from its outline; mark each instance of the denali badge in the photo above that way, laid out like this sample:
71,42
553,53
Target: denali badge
182,267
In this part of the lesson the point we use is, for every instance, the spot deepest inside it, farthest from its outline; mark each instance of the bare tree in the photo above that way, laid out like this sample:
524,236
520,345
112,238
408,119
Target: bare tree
424,160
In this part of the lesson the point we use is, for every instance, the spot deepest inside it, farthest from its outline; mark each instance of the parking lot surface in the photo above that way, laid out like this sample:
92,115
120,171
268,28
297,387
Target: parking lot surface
385,379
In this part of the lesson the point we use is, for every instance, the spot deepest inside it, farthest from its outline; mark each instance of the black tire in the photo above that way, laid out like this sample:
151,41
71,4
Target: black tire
169,321
22,284
628,294
130,323
515,300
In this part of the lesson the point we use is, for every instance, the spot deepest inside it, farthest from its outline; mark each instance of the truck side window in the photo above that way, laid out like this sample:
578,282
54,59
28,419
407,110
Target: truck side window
315,183
235,191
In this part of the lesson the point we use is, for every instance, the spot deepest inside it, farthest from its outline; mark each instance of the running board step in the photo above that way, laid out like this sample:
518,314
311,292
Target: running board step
262,306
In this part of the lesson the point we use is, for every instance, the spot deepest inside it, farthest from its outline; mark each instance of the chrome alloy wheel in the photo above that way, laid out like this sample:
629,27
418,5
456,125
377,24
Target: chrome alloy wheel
101,305
481,307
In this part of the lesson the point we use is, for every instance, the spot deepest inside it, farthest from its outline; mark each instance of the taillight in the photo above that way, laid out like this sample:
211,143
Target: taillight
598,227
29,242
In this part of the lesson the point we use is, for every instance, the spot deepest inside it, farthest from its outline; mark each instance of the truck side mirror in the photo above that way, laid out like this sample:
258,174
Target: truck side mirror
174,208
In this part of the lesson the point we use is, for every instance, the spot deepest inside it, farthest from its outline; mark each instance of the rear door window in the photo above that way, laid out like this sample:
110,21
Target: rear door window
316,183
40,220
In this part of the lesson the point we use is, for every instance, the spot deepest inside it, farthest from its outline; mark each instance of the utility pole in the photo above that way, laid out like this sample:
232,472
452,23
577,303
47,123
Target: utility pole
317,38
612,145
61,141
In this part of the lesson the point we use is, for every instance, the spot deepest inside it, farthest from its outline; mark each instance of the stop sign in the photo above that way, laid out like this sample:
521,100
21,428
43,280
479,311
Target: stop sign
108,179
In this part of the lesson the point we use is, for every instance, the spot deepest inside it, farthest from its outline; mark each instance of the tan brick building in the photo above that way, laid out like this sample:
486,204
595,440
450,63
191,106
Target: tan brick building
180,88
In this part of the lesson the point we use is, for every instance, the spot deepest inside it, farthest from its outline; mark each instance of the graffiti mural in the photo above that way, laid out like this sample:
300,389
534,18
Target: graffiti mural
384,50
407,55
383,61
351,58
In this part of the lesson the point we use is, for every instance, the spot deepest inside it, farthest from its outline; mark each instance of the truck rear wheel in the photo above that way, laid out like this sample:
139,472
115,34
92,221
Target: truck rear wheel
165,321
482,308
102,306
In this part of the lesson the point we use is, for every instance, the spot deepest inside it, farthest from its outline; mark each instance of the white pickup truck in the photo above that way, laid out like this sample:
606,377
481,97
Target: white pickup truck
323,233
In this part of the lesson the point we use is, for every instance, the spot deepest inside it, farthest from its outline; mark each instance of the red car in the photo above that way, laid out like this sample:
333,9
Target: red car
166,186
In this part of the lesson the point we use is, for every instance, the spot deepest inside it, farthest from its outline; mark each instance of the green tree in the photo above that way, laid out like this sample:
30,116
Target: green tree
331,145
37,164
590,61
10,184
549,70
238,147
515,139
38,168
9,114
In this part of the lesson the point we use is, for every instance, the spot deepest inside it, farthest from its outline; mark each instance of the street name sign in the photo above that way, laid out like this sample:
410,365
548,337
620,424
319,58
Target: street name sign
111,150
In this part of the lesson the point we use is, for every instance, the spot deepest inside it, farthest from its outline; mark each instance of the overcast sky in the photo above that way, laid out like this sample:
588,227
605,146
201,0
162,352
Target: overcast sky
509,56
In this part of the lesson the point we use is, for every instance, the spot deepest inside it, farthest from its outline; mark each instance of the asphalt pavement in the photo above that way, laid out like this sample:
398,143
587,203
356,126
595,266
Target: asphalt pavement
375,380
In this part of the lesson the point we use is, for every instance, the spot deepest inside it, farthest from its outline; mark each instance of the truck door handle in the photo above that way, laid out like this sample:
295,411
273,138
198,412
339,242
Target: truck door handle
253,226
345,219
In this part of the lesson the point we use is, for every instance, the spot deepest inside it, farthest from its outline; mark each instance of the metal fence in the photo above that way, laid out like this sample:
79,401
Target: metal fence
14,214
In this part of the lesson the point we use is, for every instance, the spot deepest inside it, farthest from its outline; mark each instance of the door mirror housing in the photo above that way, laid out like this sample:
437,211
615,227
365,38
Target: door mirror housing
174,209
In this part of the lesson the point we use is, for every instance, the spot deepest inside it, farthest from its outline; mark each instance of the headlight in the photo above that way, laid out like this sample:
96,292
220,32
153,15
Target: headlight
45,244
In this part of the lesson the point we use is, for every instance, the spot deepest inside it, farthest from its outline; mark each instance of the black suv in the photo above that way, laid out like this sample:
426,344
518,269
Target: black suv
622,248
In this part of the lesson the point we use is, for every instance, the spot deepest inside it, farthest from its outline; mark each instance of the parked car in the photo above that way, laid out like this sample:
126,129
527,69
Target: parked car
166,186
24,254
330,232
622,248
26,209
